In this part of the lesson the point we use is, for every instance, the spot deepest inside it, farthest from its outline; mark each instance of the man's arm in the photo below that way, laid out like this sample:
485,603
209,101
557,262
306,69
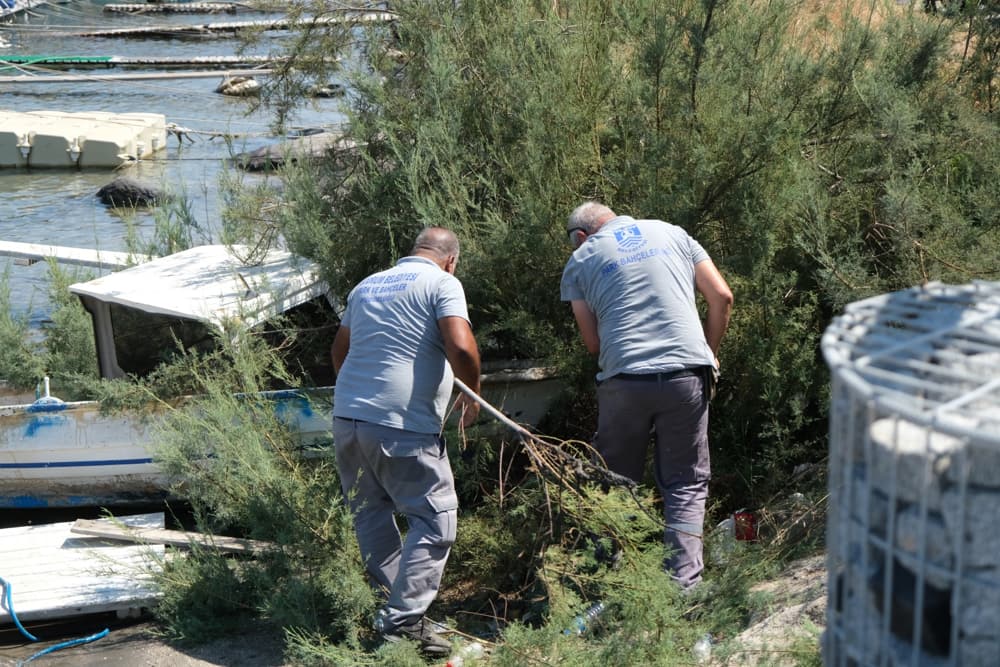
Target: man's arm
339,348
463,354
586,320
716,291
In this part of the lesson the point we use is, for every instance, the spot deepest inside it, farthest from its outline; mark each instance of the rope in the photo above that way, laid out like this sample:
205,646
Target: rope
10,607
6,601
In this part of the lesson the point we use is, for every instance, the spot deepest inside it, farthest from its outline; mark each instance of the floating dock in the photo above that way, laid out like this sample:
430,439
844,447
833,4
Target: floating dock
32,79
189,8
54,573
53,139
234,27
18,63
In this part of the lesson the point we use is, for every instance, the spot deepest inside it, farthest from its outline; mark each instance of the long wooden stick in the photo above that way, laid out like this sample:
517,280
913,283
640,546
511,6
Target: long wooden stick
496,414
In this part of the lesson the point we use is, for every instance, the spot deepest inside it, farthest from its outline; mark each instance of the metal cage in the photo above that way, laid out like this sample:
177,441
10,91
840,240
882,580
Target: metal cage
913,529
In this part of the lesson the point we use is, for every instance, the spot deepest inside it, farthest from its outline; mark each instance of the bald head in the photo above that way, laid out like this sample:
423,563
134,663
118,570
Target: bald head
589,216
439,245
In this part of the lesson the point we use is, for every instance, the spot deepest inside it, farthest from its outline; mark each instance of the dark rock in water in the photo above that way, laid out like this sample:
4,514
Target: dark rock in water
239,86
305,132
275,156
125,192
328,90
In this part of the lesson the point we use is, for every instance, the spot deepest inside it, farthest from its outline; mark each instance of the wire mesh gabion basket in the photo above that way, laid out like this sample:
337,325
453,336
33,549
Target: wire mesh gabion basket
913,527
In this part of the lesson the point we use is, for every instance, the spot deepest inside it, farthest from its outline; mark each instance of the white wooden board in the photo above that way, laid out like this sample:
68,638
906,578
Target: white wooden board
53,573
29,253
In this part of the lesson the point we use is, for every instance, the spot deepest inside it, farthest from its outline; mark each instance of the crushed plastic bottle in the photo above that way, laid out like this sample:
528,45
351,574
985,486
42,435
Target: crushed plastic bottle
702,649
473,651
583,621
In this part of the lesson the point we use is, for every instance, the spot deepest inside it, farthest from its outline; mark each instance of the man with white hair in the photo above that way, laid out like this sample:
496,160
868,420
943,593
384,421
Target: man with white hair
633,287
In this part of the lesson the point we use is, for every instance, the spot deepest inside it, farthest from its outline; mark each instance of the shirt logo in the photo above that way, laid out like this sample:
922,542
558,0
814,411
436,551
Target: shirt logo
629,238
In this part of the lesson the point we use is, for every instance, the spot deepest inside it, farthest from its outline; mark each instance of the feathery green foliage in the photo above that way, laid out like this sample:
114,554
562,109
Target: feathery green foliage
243,470
70,358
63,350
20,367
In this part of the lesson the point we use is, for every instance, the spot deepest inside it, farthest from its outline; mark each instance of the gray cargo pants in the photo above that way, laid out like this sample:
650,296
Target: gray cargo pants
676,407
383,471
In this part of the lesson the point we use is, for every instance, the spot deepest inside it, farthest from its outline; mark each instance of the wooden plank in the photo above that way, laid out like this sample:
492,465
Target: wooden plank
53,574
104,528
29,253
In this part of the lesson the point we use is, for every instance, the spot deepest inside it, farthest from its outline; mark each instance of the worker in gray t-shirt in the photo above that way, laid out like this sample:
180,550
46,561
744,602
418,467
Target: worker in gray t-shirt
632,285
404,336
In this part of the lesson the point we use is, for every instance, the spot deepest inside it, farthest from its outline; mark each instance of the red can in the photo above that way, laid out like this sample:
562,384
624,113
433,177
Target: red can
745,525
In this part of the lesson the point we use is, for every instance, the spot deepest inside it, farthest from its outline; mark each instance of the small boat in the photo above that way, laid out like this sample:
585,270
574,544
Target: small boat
15,7
56,453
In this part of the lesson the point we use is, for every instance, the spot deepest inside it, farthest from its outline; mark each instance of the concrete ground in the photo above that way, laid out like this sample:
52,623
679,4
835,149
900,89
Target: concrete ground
133,643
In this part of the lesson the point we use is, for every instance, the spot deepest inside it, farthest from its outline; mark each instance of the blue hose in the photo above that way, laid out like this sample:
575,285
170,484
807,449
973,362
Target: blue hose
7,602
10,607
72,642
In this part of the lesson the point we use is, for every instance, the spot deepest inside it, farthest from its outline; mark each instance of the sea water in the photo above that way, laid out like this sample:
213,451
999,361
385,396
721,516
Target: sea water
60,207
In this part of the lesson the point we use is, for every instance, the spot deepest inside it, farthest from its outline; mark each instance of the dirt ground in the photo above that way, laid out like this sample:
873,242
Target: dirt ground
134,643
797,609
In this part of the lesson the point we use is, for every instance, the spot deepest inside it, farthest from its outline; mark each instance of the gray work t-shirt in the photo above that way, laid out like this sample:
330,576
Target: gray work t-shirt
396,373
638,278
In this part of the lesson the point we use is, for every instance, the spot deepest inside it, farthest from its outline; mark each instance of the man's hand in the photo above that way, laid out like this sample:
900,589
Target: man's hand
468,409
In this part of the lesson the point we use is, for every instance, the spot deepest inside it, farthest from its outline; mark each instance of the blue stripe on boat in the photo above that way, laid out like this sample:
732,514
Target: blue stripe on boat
75,464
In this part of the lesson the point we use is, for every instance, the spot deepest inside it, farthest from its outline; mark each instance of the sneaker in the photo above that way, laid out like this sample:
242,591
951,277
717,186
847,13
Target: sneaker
422,632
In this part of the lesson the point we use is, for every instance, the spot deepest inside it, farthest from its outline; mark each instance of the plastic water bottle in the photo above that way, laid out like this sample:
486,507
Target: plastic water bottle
582,622
472,651
702,649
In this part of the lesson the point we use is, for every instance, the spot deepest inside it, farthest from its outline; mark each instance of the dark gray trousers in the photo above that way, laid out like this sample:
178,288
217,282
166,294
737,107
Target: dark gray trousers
384,471
676,410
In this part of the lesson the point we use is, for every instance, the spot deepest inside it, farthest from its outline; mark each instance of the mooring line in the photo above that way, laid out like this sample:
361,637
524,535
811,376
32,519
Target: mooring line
7,601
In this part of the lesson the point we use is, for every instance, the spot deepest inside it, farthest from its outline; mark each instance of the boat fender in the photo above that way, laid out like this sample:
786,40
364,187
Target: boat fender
46,402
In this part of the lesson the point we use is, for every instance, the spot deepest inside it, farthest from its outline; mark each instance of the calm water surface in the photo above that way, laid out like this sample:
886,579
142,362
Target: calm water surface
59,206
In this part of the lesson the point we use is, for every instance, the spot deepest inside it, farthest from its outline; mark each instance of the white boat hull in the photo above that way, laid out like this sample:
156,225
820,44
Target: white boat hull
56,454
69,454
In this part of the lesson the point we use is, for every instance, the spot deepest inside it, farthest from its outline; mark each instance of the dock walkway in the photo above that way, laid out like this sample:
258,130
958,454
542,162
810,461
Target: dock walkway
189,8
208,29
19,63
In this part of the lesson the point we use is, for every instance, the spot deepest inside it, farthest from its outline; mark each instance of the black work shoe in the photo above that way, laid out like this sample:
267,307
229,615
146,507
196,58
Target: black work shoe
420,631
